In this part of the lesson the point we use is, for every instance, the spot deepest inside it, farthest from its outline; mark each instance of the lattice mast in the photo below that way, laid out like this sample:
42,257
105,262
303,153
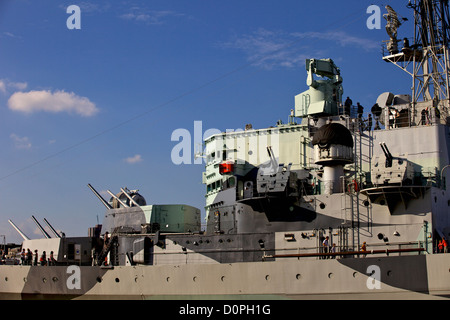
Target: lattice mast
427,58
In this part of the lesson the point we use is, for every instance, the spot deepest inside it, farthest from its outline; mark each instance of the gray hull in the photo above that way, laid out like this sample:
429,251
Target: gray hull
402,277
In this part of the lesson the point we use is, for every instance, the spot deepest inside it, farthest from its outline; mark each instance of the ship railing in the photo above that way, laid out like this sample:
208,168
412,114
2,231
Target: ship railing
405,51
396,119
400,248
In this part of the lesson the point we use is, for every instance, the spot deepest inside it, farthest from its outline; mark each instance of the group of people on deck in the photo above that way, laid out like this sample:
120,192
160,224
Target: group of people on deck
27,258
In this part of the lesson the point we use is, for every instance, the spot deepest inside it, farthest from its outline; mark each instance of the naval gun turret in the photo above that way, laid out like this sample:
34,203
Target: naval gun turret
126,198
394,170
128,211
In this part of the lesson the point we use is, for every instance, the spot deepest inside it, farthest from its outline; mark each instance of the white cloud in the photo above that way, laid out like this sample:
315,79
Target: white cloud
88,6
58,101
269,49
149,16
6,84
134,159
18,85
7,34
20,142
2,86
340,37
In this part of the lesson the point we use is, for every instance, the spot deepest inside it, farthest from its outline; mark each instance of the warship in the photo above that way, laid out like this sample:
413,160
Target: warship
328,205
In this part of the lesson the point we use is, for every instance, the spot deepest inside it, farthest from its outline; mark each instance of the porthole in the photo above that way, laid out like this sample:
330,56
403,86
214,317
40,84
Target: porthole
117,280
298,276
99,279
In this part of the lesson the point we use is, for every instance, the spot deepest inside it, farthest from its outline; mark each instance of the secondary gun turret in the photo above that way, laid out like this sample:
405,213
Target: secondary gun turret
388,155
396,170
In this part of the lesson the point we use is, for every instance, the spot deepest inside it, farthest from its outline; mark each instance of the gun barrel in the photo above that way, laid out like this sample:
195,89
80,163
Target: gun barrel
129,197
18,230
387,153
103,201
51,228
40,228
117,198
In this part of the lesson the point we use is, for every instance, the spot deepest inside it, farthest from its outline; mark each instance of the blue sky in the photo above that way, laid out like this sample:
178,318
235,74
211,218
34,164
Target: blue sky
98,105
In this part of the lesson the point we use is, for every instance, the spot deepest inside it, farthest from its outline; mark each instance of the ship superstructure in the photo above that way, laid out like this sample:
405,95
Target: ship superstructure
314,206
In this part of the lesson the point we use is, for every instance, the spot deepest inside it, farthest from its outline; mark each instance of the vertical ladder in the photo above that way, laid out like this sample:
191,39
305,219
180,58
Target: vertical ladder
343,239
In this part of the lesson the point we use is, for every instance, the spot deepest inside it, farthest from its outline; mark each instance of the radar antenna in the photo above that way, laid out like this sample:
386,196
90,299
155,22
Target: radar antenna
392,26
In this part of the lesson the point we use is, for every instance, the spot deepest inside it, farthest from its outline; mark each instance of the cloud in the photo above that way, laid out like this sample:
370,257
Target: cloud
20,142
341,37
6,84
88,6
271,49
134,159
58,101
152,17
10,35
18,85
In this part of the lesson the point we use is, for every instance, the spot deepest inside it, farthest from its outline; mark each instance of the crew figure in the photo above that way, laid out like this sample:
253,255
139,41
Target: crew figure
347,106
29,257
35,263
43,259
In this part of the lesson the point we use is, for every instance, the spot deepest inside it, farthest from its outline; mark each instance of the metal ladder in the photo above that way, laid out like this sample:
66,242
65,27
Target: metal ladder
106,249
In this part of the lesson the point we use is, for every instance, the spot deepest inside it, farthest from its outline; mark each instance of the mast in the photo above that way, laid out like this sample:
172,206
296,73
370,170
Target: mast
426,59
